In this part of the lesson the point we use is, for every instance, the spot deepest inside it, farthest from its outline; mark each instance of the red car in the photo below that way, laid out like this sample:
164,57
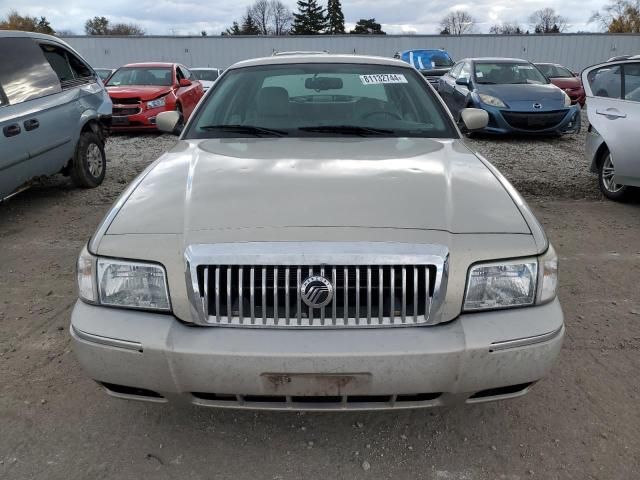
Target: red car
563,78
140,91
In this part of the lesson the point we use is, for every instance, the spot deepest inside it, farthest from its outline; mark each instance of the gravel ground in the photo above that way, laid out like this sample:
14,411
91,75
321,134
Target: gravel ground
542,167
581,422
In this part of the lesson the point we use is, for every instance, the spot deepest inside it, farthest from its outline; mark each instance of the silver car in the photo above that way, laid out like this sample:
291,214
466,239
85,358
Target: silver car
613,100
54,113
320,237
207,76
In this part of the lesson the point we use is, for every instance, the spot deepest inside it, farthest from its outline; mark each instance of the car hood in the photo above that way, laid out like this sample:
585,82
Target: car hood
523,96
434,72
572,82
142,92
398,183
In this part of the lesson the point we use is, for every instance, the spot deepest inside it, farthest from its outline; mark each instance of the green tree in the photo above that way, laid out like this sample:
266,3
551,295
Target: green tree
249,26
233,30
368,26
619,16
310,19
15,21
335,18
97,26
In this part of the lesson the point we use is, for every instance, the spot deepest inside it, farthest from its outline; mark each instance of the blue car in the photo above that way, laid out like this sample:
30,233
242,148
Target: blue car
431,63
517,96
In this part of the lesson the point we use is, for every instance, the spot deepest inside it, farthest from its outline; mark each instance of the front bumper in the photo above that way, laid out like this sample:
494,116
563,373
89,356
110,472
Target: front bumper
154,357
144,120
570,123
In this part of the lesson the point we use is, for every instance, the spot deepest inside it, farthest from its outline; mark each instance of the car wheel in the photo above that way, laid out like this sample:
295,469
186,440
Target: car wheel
608,186
89,163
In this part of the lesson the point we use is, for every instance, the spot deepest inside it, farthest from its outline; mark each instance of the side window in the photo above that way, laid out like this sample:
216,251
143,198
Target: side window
3,98
70,69
465,72
25,73
606,81
179,74
632,82
455,71
187,74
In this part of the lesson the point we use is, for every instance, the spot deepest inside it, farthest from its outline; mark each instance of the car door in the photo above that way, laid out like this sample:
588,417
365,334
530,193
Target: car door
613,109
30,90
460,93
448,82
192,92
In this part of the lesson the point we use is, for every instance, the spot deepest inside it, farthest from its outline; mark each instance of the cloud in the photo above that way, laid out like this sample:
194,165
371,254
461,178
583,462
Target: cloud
166,17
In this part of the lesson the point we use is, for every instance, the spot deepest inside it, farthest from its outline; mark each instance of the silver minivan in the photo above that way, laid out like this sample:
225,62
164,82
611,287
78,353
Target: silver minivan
54,113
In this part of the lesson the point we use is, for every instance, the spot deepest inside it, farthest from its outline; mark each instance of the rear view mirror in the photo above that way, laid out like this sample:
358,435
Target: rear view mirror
323,83
474,118
185,82
169,122
462,81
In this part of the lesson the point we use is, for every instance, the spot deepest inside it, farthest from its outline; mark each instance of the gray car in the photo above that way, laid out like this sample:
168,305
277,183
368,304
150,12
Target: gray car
613,100
54,113
319,238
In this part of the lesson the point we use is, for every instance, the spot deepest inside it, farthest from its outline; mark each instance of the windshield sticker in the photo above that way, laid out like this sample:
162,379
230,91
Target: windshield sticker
479,74
383,78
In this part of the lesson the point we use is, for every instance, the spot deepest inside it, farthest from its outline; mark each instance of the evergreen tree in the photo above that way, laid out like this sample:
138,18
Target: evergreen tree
249,26
310,19
335,18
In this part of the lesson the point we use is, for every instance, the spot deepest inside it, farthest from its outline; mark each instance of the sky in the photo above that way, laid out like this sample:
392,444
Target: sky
190,17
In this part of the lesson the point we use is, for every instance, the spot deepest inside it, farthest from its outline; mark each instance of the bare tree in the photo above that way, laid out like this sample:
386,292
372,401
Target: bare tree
457,22
260,12
506,28
546,20
281,17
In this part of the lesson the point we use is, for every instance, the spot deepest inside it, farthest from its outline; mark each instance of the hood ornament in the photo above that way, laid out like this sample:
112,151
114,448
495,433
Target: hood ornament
316,291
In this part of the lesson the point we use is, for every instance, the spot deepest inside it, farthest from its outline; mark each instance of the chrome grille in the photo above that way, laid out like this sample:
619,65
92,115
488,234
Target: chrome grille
258,284
268,295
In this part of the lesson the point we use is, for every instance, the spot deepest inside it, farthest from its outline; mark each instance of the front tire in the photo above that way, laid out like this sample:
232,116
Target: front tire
89,163
608,187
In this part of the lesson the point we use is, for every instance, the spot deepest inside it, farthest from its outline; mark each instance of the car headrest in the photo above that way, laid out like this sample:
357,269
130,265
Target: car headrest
273,102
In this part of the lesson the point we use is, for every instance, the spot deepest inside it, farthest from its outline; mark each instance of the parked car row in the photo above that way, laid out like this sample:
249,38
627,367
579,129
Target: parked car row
55,112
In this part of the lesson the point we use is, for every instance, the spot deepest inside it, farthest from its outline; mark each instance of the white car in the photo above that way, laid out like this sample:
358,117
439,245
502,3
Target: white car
320,238
207,76
613,100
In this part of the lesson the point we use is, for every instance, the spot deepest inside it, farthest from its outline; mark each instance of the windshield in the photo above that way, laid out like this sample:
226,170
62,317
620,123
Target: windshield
508,74
321,99
427,59
554,71
161,76
206,75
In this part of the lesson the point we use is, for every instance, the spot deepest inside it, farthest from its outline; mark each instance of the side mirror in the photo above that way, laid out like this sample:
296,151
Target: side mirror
474,118
463,81
169,122
185,82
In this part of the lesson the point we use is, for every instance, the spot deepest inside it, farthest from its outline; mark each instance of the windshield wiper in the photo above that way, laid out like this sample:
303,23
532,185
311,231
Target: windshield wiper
248,129
347,130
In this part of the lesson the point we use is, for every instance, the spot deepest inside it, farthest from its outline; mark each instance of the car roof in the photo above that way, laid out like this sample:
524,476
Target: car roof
496,60
150,64
320,58
440,50
204,68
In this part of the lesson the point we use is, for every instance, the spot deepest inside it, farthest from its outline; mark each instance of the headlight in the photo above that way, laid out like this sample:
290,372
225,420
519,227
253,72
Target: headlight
567,100
514,283
159,102
86,271
122,283
490,100
501,285
548,276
